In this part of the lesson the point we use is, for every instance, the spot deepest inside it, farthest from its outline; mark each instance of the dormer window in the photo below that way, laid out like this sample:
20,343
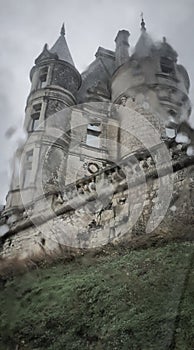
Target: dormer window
35,116
93,135
167,65
43,77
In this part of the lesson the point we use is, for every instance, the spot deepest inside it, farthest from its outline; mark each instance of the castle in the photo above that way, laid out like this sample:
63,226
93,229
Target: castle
102,159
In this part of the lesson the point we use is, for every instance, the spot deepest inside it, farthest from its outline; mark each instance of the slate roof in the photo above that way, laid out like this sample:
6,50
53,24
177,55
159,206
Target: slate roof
144,45
100,70
61,48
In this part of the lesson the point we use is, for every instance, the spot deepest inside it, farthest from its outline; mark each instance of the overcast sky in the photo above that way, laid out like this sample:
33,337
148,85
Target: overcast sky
26,25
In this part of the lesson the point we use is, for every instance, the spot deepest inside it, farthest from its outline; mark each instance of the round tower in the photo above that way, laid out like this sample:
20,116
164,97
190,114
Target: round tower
154,80
54,83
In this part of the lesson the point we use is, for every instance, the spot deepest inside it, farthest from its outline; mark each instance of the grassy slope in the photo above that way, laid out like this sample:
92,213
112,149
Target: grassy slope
132,300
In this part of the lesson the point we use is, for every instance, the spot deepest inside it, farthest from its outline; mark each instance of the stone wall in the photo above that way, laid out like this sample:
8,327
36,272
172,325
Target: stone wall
107,207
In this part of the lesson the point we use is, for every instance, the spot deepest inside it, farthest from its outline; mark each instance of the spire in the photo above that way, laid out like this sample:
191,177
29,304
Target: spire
63,30
143,27
164,39
145,43
61,48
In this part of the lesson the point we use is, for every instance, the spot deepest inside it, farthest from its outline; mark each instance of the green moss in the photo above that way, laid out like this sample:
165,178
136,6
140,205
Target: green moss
139,300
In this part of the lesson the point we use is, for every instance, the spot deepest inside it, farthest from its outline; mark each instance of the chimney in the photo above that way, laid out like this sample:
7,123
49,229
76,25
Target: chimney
122,47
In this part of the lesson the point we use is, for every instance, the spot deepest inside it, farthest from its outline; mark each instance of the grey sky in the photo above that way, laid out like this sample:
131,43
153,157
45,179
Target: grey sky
26,25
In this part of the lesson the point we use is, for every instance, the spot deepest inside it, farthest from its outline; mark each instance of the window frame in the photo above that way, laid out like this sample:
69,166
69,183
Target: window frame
35,116
28,168
94,130
43,76
167,66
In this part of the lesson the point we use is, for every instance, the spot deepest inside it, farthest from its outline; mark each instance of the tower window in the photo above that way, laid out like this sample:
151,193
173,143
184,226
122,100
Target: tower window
167,65
27,169
29,156
35,116
93,135
43,77
27,175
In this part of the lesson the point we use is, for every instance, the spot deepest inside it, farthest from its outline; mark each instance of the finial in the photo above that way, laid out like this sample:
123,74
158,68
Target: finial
45,47
164,39
63,30
143,27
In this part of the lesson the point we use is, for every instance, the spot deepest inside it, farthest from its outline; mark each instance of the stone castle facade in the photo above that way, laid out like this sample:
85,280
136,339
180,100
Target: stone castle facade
102,159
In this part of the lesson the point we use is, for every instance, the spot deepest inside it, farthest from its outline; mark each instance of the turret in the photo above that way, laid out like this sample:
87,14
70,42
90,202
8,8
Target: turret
55,67
153,78
55,81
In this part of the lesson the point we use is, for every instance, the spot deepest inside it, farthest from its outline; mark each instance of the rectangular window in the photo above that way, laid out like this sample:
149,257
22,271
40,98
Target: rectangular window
28,168
43,77
35,116
27,175
93,135
29,156
167,65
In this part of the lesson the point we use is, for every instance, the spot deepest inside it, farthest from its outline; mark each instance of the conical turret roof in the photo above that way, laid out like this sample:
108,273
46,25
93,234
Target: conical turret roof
61,48
144,44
